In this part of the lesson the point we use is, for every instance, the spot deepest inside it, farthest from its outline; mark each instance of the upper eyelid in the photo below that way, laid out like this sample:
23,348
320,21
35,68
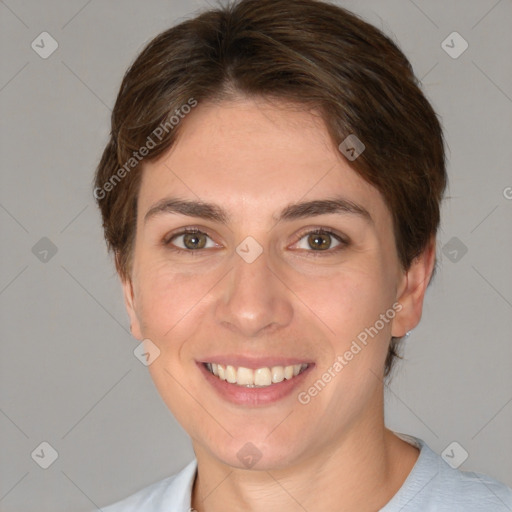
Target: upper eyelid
327,231
167,239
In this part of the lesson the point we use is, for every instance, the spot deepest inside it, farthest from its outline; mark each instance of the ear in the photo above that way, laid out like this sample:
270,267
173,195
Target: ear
412,291
129,301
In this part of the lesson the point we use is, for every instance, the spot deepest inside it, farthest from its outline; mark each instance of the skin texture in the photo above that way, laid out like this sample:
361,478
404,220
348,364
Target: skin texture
253,158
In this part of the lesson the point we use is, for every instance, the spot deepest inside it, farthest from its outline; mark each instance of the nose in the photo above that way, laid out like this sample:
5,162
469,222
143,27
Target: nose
254,299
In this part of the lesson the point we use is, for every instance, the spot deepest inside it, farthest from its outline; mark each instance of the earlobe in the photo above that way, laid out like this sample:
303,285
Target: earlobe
413,289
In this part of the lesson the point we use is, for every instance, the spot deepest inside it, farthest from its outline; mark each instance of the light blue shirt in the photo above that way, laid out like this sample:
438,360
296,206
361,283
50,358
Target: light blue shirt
432,486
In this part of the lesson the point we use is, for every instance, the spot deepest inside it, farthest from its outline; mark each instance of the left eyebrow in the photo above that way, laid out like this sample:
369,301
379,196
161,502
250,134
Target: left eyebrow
294,211
337,205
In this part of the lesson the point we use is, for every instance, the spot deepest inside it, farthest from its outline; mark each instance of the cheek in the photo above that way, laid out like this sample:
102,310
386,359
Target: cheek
350,300
165,298
357,306
174,309
172,314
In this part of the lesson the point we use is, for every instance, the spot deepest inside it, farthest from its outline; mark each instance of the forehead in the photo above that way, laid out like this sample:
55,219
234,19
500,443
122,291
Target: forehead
252,153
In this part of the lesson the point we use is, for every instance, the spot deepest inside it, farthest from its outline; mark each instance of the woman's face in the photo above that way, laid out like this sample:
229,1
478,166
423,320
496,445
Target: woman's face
255,287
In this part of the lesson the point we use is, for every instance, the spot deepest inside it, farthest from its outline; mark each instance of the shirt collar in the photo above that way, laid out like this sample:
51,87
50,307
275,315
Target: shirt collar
178,495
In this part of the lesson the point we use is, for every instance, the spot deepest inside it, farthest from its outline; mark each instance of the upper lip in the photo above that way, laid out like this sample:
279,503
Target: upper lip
254,362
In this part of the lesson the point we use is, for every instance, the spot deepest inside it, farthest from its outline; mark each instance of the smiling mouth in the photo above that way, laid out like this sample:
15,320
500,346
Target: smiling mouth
258,378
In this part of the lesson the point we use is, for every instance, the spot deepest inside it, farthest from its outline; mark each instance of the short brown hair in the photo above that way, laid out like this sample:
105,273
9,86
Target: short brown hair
308,52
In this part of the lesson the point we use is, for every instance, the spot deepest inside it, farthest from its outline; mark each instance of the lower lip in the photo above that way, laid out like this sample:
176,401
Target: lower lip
254,397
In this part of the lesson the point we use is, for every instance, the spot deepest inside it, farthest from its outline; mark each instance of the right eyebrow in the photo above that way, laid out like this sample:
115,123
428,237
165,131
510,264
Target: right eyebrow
189,208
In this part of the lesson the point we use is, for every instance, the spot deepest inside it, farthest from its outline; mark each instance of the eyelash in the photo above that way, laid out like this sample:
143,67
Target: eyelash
316,231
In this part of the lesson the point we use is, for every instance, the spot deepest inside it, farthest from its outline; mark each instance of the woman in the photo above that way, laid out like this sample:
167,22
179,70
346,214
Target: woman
271,193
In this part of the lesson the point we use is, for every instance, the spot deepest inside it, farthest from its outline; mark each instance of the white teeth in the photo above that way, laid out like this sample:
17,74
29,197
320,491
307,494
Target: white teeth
230,374
261,377
277,373
244,376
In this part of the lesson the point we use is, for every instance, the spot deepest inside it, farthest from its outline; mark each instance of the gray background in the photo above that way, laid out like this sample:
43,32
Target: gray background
67,370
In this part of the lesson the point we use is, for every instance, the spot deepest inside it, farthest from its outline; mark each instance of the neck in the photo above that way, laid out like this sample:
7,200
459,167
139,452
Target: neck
360,472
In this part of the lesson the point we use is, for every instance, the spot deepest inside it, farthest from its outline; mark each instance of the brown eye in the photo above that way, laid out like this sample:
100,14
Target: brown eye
321,240
194,241
191,240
